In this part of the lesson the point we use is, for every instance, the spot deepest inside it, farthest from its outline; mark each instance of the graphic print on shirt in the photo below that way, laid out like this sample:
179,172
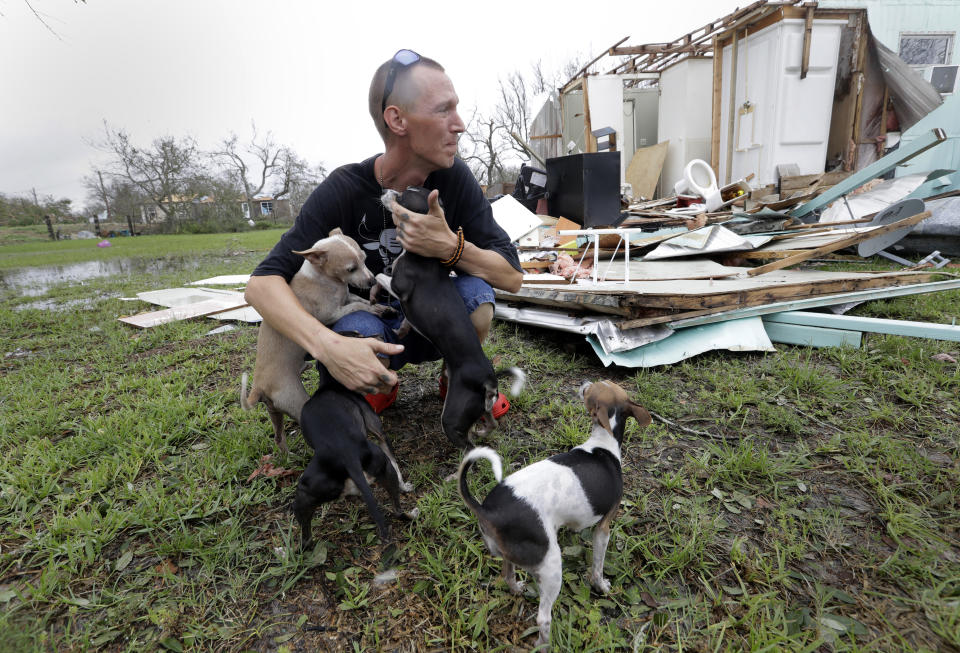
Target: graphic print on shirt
376,237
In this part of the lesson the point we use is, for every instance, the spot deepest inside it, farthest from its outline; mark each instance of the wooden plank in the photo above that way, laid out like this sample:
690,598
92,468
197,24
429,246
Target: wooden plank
807,33
887,163
869,324
846,242
813,302
778,293
606,303
589,141
717,100
732,106
177,313
769,254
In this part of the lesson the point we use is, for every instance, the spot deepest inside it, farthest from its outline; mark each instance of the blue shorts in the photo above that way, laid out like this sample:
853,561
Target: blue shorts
416,348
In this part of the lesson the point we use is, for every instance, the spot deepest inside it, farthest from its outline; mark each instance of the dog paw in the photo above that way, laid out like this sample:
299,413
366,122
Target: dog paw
599,583
406,487
412,514
516,586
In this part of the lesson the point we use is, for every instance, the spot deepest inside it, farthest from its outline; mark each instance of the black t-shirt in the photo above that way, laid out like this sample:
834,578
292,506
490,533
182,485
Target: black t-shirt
350,199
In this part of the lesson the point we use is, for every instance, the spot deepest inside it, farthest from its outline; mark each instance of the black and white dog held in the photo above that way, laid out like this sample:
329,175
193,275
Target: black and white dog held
520,516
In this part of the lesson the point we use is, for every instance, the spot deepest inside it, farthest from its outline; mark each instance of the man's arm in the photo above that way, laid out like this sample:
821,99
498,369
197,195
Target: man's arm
429,235
351,361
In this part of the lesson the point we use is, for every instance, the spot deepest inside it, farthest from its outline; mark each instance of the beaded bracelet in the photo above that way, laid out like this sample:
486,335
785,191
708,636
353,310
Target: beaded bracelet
453,260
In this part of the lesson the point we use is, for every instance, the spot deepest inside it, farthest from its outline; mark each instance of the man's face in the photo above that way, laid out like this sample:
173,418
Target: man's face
434,124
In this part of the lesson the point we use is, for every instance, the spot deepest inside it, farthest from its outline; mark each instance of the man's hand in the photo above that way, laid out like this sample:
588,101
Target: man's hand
426,234
354,363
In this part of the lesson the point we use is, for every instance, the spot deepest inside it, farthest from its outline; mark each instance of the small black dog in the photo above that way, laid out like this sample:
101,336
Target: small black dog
335,423
435,309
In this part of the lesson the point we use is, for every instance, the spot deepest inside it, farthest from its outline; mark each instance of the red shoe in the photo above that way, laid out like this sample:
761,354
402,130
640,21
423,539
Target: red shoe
380,402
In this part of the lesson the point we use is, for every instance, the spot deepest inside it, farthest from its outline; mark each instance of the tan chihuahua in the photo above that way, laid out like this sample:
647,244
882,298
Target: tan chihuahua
321,285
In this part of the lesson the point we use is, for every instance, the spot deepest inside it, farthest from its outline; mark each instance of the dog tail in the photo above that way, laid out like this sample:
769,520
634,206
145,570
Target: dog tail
355,472
473,455
247,403
519,379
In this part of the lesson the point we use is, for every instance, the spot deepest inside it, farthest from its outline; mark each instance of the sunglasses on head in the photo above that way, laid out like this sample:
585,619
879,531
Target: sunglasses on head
402,59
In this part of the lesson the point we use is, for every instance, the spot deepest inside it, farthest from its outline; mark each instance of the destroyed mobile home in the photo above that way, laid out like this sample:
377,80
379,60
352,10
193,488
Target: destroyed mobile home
784,134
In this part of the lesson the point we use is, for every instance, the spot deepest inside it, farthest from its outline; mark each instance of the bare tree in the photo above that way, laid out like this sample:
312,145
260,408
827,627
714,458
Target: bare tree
123,198
253,164
491,150
165,172
303,183
513,111
261,166
482,148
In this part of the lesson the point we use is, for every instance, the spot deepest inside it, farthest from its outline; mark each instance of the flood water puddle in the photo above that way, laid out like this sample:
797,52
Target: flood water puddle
36,281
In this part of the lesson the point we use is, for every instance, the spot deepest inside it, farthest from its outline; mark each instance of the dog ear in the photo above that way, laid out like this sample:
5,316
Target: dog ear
317,255
640,414
600,415
335,232
598,412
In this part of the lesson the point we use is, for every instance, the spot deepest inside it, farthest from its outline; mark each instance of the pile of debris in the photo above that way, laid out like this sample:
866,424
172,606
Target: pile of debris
707,268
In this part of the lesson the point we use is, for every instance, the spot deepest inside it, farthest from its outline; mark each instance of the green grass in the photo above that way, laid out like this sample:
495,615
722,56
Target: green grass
820,512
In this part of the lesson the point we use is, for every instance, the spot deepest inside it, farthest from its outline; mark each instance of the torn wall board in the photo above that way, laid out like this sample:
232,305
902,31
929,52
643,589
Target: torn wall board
734,335
514,218
173,297
687,268
609,335
183,312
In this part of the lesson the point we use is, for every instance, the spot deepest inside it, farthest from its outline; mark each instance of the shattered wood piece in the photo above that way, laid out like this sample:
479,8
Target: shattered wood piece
846,242
802,182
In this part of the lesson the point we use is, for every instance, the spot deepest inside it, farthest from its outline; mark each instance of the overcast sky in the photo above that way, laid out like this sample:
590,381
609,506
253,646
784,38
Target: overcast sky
299,69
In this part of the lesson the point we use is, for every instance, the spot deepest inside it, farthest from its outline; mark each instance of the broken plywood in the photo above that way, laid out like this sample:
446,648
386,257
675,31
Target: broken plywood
644,170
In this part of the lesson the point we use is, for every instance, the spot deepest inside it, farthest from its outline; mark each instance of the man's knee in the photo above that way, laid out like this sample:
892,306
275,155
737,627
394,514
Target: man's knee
362,324
482,318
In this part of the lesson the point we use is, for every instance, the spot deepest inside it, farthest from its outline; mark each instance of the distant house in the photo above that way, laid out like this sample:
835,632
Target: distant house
189,207
182,206
264,206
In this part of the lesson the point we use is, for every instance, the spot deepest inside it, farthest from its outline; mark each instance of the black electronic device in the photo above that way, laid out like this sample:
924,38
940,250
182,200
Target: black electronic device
585,188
